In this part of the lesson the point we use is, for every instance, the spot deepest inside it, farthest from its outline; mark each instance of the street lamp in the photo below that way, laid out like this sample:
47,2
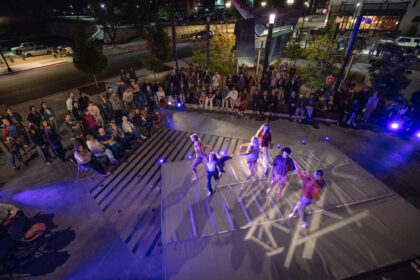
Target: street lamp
263,4
304,14
268,42
208,40
103,6
290,2
228,5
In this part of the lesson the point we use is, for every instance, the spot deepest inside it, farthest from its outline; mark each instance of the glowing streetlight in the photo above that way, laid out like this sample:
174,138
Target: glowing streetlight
290,2
306,4
272,18
263,4
228,5
103,6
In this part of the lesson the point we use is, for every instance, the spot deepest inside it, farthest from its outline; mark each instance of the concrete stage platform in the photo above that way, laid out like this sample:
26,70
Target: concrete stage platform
357,225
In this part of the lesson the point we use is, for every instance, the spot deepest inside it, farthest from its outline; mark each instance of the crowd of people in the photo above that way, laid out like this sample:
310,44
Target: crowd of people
107,125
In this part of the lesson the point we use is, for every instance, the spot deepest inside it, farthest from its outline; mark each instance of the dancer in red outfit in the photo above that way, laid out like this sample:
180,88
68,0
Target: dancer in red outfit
312,186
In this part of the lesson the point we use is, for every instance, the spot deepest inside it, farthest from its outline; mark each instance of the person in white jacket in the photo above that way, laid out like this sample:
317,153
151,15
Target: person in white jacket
130,128
230,98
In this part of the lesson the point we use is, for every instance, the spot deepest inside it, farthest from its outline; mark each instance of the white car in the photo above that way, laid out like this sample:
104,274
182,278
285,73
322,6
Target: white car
38,51
405,42
24,47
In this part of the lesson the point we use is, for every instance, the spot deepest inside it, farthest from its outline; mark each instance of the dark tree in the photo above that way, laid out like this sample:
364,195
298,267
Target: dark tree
158,42
389,72
88,56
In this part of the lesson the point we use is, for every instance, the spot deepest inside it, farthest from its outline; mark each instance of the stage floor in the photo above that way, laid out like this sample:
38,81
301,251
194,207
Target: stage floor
357,225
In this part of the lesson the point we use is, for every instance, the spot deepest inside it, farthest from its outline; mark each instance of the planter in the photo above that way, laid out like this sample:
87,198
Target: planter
91,89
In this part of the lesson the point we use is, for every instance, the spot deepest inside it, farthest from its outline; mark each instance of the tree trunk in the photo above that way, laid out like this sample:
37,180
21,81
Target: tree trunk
96,81
349,67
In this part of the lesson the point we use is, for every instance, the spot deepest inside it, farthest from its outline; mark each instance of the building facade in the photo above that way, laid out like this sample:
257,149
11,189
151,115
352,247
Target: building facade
380,17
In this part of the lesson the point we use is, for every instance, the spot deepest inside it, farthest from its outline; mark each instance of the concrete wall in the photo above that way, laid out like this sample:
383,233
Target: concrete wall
409,15
187,31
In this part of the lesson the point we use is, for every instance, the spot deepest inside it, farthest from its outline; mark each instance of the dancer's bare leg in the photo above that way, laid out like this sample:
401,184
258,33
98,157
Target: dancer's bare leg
282,182
273,183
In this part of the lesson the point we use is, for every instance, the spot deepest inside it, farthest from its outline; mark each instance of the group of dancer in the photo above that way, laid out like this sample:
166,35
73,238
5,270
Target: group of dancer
281,166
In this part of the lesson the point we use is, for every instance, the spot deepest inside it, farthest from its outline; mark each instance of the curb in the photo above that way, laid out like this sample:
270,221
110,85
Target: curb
33,68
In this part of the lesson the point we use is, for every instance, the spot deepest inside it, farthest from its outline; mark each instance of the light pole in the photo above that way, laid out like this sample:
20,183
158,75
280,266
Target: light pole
208,40
175,54
5,61
304,14
228,5
268,42
263,4
104,7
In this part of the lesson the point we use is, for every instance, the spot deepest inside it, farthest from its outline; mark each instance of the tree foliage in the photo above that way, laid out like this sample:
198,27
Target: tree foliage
152,63
158,42
294,49
389,72
199,58
322,56
222,55
88,56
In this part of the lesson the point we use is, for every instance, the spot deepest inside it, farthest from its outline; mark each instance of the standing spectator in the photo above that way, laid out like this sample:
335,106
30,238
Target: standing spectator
40,142
132,74
370,106
156,86
84,158
161,99
16,119
128,98
218,98
106,107
48,114
123,76
265,101
12,130
182,92
135,89
148,94
117,106
203,96
72,128
273,101
215,81
89,123
83,100
300,107
77,111
108,140
11,148
34,118
55,141
292,104
265,83
99,150
96,114
256,104
353,113
206,78
130,129
69,101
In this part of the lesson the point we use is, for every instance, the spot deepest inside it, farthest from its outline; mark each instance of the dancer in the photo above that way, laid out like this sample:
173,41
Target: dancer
282,164
264,136
200,155
252,153
212,162
312,186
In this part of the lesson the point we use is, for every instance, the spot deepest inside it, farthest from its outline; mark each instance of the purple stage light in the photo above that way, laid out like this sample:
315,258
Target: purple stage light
222,153
178,104
417,134
395,126
278,146
326,138
161,160
190,157
303,142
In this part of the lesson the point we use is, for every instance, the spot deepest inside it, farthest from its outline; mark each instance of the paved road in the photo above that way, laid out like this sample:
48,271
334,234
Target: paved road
24,86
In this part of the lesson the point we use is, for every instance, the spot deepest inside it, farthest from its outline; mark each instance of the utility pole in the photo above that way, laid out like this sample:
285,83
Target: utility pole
175,55
268,42
5,61
350,46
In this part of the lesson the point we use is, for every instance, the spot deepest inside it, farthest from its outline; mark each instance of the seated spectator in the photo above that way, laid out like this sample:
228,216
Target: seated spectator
38,138
119,135
77,112
218,98
84,159
108,140
353,112
230,99
99,150
106,107
172,93
89,123
209,100
182,93
130,129
128,98
203,96
96,114
139,119
54,139
215,81
310,107
72,128
160,98
273,103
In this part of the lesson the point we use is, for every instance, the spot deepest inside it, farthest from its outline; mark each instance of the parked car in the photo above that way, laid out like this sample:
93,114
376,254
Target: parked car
24,47
38,51
405,42
202,35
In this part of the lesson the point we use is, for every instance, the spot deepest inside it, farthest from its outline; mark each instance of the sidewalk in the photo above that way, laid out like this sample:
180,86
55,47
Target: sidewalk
17,68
